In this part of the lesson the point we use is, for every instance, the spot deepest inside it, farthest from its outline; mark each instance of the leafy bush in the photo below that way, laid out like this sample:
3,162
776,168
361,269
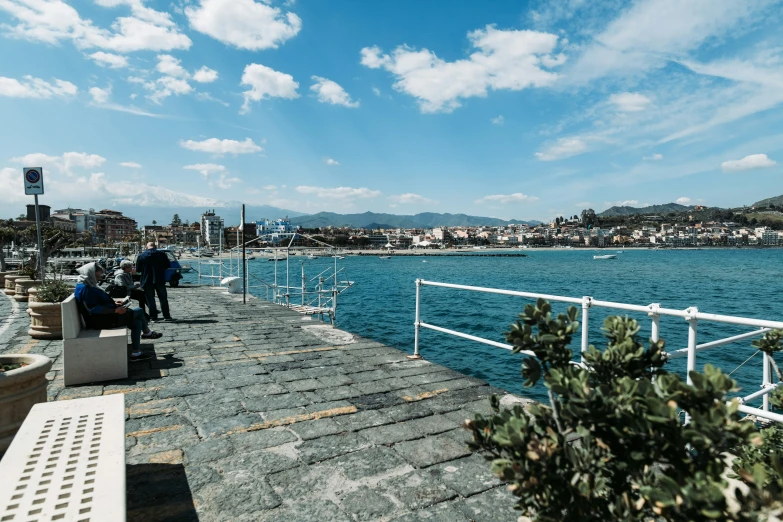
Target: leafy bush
53,291
611,445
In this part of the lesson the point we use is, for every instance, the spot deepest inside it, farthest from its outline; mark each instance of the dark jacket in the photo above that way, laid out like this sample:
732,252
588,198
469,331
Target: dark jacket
96,307
152,265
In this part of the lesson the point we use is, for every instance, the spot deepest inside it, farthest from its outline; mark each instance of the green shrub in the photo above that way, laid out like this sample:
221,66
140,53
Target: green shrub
53,291
611,444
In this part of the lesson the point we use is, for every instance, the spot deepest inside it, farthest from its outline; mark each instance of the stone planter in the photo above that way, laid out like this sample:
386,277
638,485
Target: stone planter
6,273
22,286
10,283
46,319
20,390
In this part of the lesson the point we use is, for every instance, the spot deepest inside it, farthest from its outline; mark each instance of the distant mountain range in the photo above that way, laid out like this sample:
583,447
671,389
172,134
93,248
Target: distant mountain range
371,220
777,201
652,209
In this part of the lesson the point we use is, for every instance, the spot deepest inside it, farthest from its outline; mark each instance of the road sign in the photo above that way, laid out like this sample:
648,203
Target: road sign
33,181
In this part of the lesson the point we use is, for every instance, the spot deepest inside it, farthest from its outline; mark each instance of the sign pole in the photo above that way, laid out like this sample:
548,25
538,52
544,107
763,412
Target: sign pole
244,263
41,260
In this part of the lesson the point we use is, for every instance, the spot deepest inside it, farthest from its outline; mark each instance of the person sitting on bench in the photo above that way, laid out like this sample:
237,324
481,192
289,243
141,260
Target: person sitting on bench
102,313
124,286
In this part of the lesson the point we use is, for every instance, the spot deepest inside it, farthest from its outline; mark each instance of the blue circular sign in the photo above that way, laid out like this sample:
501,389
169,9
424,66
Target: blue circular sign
32,176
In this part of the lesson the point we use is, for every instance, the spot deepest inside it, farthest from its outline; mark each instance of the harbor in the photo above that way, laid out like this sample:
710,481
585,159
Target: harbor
256,412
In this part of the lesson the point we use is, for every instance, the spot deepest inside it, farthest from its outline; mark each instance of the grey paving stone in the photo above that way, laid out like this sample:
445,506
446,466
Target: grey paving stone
495,505
276,402
390,433
260,439
302,482
432,424
417,489
289,375
408,410
231,501
226,425
210,375
182,390
328,378
331,446
258,464
308,511
219,403
209,450
467,476
363,419
369,462
302,385
431,450
368,504
262,390
316,428
339,392
443,512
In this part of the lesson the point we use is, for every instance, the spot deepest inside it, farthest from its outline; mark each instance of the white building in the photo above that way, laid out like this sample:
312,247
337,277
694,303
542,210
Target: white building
211,228
85,219
275,230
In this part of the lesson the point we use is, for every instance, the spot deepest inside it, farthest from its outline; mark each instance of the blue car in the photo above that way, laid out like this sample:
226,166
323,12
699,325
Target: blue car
173,274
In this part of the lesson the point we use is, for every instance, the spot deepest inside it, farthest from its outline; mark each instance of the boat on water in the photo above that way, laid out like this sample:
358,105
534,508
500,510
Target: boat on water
205,252
384,257
339,257
311,256
606,256
186,268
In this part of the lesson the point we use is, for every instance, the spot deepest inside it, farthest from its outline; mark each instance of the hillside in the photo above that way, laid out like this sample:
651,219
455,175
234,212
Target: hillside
777,201
375,220
652,209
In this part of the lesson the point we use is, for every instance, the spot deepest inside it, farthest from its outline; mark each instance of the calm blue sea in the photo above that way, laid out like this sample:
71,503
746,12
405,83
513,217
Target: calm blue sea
381,305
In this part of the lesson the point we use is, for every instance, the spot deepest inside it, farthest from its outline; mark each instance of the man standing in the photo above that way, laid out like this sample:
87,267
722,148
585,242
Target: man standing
152,265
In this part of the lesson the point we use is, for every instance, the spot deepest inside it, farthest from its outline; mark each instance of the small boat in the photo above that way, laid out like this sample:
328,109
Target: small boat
311,256
384,257
339,257
607,256
186,268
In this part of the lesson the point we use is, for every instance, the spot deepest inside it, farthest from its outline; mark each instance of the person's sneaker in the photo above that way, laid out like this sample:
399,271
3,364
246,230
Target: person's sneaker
169,319
151,335
153,320
139,356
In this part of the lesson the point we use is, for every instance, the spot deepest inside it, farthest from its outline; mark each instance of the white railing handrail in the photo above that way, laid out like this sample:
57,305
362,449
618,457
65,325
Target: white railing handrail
691,315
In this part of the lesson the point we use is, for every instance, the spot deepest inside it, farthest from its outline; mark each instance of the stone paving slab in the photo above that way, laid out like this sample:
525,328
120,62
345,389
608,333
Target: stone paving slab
251,413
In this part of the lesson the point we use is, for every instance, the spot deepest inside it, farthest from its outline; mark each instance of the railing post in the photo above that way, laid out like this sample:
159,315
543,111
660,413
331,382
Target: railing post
655,333
586,303
416,324
765,381
692,327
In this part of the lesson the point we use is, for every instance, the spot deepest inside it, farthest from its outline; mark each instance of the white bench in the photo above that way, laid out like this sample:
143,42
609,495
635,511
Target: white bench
67,462
91,355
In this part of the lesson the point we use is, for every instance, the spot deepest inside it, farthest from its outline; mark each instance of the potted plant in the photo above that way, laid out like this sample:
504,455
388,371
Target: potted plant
10,282
22,385
30,273
45,311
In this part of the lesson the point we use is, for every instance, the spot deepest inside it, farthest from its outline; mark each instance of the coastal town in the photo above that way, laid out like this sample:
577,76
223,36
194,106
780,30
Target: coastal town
109,228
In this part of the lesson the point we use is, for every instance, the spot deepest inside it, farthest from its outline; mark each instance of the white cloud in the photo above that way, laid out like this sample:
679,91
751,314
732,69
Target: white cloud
504,199
269,188
113,61
36,88
498,120
99,95
130,165
219,147
208,97
205,169
630,101
331,162
331,92
51,21
61,164
563,148
651,32
170,66
244,23
682,201
754,161
166,86
224,182
409,199
504,59
205,75
265,82
343,194
376,91
653,157
625,203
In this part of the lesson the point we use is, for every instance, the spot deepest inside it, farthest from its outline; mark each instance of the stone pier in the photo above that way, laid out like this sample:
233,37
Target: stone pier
255,413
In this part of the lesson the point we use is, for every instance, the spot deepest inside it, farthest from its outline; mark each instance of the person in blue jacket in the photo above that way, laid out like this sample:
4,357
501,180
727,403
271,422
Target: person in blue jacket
101,312
152,265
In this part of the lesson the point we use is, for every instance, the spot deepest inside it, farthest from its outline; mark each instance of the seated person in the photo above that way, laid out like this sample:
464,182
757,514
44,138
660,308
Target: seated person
125,287
102,313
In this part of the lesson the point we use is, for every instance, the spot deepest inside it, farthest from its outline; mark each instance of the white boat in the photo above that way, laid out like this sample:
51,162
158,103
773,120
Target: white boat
339,257
186,268
311,256
607,256
384,257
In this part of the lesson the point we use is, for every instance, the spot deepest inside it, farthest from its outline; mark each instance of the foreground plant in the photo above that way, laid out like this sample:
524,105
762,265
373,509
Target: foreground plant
612,444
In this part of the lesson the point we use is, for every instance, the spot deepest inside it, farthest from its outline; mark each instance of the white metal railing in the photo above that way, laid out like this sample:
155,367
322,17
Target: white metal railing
691,315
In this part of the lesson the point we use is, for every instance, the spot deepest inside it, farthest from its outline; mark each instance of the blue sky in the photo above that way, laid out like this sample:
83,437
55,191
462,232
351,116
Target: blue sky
508,109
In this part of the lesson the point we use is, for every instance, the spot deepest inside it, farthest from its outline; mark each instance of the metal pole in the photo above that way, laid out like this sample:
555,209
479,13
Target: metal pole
586,302
417,323
303,283
692,327
656,322
244,259
41,261
765,381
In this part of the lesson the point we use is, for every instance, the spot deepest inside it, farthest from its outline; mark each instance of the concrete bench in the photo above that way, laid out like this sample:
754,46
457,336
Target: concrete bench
67,462
91,355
